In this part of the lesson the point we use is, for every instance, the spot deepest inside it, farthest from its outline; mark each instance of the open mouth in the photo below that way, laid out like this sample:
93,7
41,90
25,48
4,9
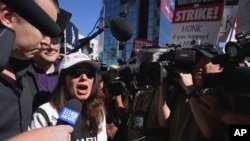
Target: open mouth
82,87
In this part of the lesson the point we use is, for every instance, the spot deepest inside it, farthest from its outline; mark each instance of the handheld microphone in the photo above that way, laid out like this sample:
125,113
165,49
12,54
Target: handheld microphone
34,14
70,113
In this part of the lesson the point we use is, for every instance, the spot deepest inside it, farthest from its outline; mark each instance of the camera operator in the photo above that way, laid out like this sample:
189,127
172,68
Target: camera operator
187,120
149,110
117,112
234,81
146,124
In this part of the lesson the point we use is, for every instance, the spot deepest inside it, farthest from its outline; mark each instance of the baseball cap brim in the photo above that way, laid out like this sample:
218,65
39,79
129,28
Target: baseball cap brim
76,58
92,64
205,53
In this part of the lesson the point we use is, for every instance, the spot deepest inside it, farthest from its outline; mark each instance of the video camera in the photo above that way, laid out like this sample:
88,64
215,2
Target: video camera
235,52
155,63
235,77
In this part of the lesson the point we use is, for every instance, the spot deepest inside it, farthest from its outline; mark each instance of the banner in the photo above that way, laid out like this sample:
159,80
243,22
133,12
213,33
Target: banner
243,16
167,8
195,20
138,43
71,37
228,21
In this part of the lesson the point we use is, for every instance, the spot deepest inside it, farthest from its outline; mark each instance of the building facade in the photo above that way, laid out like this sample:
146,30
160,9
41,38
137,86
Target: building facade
150,20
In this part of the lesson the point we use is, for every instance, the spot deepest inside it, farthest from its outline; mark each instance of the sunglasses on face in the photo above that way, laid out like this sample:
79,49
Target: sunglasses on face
77,72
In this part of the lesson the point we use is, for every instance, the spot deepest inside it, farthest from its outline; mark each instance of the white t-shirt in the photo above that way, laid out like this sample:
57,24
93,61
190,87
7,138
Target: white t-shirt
38,121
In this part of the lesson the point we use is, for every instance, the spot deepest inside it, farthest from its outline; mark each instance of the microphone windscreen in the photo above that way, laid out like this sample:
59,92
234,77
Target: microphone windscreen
35,15
70,113
121,29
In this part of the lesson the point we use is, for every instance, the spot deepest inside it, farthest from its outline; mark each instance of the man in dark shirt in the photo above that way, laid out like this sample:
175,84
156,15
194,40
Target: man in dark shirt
187,121
46,67
17,87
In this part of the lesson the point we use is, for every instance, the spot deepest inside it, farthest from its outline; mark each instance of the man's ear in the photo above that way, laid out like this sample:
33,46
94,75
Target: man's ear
6,15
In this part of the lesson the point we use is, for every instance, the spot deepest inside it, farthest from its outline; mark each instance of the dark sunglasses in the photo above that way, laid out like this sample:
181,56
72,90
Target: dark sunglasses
77,72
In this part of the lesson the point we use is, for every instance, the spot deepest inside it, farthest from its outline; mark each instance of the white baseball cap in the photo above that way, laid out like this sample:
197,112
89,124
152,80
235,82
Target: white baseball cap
76,58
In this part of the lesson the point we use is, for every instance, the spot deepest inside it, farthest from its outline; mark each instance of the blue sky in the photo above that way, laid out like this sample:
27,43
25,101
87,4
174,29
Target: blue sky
85,13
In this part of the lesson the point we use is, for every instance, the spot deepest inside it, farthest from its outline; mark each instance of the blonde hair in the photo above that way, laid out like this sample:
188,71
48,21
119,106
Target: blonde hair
113,67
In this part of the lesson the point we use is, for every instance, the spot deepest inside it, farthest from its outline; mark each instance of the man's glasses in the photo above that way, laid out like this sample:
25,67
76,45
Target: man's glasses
77,72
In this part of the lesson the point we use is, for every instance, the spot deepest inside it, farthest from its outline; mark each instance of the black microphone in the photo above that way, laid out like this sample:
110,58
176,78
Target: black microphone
121,29
70,113
34,14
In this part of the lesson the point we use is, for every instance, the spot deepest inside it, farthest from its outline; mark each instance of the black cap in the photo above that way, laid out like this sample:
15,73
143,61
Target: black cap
208,50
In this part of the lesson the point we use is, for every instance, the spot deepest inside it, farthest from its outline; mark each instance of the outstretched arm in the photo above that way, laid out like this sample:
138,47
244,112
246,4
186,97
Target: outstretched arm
52,133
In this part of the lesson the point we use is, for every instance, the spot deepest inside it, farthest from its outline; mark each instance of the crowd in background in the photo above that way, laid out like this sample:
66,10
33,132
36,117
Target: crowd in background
38,81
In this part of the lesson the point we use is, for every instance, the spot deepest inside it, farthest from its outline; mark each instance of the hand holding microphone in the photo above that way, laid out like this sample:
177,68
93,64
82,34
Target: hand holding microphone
50,133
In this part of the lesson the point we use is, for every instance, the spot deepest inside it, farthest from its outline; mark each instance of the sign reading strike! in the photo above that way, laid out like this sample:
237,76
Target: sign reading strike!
197,19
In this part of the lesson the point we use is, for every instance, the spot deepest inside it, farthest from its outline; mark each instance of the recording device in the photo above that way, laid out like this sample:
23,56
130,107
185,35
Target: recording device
34,14
120,28
235,52
154,64
177,57
234,78
70,113
165,60
114,84
7,37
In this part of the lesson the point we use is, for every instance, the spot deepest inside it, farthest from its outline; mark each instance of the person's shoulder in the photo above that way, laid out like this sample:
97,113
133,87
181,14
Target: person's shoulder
47,107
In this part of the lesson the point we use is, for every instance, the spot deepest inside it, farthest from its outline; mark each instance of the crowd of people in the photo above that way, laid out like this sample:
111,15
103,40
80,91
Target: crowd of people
36,82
